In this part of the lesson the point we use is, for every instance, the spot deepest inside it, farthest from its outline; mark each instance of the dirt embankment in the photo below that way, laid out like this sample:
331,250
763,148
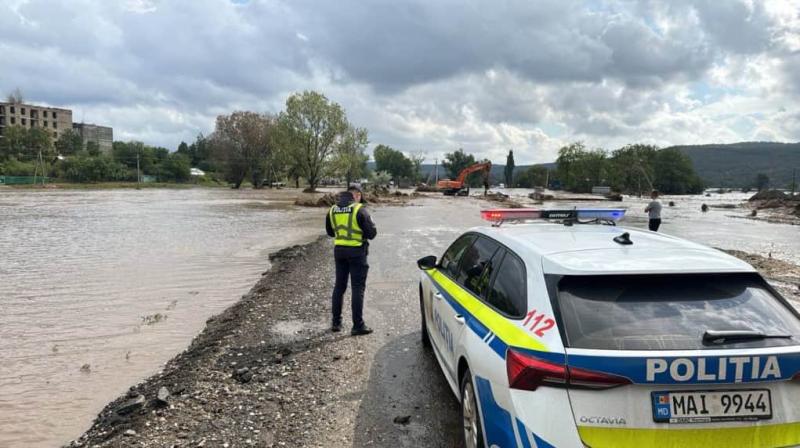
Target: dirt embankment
265,372
329,199
775,206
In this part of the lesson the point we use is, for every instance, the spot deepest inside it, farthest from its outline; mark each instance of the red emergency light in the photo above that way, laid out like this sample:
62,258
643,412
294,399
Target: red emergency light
510,214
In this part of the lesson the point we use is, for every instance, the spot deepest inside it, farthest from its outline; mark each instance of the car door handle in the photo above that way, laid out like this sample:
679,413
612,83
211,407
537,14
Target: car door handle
438,295
460,319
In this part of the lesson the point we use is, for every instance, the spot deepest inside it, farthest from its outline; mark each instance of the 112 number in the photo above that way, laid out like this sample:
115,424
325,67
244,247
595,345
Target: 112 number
538,323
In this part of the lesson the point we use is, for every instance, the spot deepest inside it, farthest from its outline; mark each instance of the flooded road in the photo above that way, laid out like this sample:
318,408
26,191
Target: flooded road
99,288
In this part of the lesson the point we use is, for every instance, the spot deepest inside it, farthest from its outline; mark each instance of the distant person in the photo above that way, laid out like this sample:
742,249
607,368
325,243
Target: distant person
350,224
653,211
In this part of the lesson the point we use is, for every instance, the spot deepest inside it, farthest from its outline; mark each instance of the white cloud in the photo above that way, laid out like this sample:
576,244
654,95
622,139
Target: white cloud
420,75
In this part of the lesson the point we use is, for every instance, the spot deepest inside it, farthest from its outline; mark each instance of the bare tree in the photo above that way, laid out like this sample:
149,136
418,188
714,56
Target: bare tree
16,97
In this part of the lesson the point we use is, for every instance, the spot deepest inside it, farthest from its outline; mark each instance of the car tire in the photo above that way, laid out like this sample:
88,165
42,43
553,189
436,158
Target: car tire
470,414
426,337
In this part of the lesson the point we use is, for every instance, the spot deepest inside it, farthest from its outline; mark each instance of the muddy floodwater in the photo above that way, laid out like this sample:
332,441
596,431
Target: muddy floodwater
99,288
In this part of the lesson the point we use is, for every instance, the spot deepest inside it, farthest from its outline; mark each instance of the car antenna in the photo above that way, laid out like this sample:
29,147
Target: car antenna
624,239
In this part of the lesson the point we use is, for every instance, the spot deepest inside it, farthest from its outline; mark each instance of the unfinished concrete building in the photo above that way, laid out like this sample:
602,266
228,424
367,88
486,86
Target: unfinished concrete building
54,120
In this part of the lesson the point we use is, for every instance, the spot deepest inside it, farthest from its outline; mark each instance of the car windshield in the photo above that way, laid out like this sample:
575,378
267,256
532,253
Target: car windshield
671,312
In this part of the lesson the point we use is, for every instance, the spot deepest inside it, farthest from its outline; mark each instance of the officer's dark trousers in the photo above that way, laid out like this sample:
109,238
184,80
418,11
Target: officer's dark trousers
356,268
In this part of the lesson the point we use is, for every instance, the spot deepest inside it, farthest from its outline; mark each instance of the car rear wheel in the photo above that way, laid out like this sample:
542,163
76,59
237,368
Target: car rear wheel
473,433
426,338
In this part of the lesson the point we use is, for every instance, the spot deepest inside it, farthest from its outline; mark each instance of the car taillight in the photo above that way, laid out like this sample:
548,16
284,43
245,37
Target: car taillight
527,372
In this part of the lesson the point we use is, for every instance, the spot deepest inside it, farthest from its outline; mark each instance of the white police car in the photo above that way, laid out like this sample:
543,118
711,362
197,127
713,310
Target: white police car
577,335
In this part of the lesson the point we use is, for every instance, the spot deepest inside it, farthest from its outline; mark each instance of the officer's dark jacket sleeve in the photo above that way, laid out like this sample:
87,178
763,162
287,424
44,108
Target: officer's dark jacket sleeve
366,224
328,225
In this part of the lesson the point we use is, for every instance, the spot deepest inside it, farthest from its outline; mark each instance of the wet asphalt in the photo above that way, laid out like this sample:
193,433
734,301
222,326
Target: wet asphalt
405,379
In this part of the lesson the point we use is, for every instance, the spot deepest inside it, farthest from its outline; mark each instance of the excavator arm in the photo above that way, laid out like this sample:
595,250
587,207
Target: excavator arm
451,187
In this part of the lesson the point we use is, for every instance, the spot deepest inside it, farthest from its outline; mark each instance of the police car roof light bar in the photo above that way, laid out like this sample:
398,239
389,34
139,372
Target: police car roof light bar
499,215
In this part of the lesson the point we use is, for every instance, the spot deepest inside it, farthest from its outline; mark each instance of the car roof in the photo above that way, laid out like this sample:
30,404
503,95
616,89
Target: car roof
590,249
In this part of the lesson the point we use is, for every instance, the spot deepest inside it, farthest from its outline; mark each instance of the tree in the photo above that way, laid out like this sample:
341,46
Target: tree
632,168
674,173
13,143
509,170
312,126
350,159
381,179
455,162
243,143
93,148
416,163
16,97
579,169
761,182
38,139
69,143
183,148
177,167
393,162
535,176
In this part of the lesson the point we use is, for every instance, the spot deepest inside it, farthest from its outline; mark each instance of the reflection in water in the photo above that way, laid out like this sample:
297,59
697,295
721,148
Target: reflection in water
119,281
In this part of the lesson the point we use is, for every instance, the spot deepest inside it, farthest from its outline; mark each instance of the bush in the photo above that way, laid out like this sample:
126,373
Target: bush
13,167
85,168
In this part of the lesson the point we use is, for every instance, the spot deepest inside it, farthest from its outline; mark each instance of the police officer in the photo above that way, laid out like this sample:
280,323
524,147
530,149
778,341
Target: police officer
349,222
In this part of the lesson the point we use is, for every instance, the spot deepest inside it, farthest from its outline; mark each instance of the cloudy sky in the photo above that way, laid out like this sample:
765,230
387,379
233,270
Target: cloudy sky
421,75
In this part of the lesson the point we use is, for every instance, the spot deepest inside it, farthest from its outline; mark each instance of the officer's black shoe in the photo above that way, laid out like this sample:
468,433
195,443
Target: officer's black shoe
336,328
360,331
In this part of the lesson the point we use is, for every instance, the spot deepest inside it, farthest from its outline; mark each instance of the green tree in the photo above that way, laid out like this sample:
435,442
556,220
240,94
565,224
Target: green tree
183,148
38,139
455,162
93,148
674,173
312,125
632,168
243,144
416,162
509,169
177,167
535,176
393,162
350,158
69,143
13,143
761,182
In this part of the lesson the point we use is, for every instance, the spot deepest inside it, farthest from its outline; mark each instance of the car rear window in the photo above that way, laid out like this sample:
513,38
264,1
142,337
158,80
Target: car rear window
670,312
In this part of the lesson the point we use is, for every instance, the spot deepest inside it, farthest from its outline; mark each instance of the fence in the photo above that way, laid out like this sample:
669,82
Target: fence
22,180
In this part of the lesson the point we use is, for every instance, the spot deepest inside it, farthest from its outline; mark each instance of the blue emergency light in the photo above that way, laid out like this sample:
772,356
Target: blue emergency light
498,215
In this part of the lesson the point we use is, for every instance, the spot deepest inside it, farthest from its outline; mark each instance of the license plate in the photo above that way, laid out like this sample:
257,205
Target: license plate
712,406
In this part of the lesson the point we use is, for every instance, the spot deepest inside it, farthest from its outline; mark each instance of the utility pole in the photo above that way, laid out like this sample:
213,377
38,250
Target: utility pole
138,177
794,180
436,168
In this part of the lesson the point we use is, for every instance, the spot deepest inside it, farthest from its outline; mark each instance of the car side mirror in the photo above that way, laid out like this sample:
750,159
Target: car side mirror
426,263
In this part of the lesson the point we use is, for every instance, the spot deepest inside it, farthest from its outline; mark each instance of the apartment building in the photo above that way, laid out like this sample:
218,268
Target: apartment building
54,120
102,135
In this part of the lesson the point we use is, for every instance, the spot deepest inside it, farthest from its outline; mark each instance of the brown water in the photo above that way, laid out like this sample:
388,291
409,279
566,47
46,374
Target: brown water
85,275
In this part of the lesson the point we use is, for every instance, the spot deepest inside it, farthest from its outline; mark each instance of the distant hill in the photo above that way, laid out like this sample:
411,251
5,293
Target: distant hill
737,164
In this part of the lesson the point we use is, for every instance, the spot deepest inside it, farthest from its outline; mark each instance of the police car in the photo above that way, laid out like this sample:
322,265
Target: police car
555,333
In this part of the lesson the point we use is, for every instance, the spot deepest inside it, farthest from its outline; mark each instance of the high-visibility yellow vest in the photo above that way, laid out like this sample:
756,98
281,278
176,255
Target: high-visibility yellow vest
345,225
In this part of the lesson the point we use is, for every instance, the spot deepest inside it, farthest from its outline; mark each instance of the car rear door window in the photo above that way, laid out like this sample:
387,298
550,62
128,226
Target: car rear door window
508,292
670,312
453,255
474,264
